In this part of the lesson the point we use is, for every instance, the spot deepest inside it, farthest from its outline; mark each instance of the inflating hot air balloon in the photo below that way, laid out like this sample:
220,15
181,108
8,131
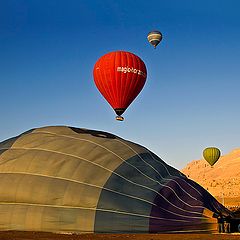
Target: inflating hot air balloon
211,155
154,38
73,180
120,76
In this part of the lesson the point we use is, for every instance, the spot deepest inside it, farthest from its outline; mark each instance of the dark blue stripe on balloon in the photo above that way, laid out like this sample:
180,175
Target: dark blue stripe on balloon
113,222
161,215
146,171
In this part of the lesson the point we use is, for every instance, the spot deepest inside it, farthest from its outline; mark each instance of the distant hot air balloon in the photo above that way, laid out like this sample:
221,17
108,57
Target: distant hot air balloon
119,76
154,37
211,155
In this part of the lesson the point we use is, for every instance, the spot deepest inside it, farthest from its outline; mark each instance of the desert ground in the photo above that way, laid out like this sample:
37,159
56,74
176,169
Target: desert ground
13,235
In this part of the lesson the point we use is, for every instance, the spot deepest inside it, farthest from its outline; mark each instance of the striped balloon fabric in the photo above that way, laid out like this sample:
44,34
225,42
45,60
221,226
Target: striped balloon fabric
154,37
65,179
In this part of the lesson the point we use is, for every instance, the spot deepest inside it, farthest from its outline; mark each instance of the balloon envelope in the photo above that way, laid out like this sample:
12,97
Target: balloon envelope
154,38
119,76
211,155
73,180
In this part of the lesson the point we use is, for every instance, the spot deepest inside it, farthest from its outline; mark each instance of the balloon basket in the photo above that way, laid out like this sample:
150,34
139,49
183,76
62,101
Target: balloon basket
119,118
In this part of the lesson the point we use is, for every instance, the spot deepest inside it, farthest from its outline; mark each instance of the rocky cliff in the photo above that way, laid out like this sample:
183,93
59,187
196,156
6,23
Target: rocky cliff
222,180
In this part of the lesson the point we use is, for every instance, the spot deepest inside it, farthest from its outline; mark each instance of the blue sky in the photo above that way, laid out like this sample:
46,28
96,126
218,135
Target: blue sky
191,98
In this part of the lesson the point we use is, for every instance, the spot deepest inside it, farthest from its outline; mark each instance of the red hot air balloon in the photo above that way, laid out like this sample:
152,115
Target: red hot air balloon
120,77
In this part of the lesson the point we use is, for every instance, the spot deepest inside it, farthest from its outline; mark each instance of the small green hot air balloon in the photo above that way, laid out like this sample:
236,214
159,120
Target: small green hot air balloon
211,155
154,38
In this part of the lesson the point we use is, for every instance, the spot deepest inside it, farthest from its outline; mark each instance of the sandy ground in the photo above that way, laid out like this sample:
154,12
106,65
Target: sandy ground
47,236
